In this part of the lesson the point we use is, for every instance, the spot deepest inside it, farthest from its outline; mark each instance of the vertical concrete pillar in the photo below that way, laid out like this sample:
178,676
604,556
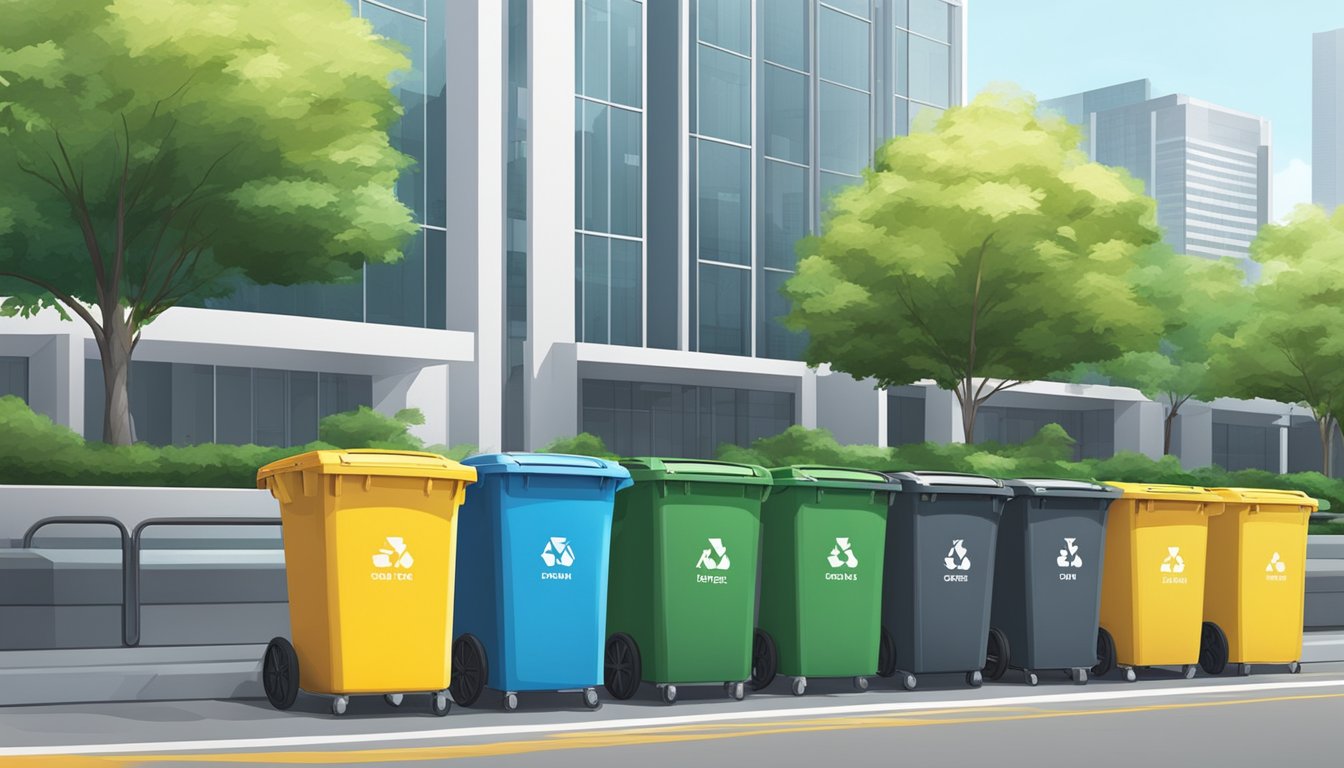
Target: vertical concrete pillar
1196,427
56,380
854,410
807,399
1138,427
942,417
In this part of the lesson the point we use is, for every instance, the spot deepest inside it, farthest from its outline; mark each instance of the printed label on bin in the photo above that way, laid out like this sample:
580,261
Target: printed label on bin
842,559
557,553
1069,558
1275,571
715,558
393,560
958,559
1173,564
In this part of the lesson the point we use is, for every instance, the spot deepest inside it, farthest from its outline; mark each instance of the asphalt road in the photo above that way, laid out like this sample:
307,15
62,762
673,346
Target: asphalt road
1268,719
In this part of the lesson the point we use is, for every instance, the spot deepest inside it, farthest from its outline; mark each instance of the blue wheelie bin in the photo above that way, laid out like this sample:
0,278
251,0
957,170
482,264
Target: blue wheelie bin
534,535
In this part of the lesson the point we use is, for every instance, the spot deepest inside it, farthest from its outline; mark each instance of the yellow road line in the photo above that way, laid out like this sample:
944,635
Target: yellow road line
633,737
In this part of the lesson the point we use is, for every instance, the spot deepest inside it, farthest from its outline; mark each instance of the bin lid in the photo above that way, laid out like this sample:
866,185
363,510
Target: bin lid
546,464
1065,488
832,477
951,482
1267,496
646,468
360,461
1164,491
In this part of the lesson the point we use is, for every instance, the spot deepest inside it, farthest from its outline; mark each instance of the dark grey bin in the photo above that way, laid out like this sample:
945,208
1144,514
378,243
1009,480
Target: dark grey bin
939,574
1048,575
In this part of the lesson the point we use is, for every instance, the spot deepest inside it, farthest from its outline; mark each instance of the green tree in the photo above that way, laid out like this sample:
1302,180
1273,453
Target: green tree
1290,346
155,151
981,254
1197,299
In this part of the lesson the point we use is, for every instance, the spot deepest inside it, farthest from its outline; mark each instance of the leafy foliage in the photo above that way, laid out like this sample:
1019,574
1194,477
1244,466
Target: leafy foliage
582,444
987,249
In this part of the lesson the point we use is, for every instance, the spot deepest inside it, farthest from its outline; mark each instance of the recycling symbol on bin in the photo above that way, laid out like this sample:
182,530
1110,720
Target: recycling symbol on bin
841,554
1174,562
957,559
384,558
558,552
719,561
1069,557
1275,564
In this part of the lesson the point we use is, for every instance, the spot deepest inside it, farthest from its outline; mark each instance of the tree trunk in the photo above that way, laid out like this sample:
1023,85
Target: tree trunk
969,407
116,353
1326,425
1166,428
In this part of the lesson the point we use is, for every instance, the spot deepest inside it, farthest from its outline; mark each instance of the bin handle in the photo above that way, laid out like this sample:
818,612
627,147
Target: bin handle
278,490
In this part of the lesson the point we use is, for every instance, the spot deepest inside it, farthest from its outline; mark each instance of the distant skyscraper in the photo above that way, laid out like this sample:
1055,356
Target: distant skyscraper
1208,167
1327,118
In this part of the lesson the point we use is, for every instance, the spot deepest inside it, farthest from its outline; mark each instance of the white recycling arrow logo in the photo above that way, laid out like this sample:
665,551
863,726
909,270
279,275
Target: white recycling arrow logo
719,561
1275,564
384,558
841,554
1069,557
558,552
1174,562
957,559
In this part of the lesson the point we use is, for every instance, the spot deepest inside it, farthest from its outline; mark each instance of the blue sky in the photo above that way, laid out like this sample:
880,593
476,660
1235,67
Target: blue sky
1249,55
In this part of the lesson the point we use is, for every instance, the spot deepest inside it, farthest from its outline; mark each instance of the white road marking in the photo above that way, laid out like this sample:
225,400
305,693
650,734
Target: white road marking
277,742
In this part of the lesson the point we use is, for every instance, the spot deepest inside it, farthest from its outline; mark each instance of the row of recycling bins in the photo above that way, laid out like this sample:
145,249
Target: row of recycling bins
410,572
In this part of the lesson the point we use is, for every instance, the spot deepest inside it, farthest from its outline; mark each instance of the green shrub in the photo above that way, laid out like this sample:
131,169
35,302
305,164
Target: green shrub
582,444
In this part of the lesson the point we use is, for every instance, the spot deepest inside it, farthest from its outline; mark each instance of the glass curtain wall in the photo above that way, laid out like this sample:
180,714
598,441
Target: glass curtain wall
14,377
412,292
609,172
515,233
924,61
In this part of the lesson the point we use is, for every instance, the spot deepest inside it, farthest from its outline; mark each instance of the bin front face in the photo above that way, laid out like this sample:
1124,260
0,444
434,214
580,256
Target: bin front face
1256,581
939,576
1153,587
821,577
1064,556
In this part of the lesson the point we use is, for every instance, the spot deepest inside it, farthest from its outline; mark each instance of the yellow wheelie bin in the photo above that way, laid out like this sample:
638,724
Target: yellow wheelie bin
1152,585
370,544
1256,580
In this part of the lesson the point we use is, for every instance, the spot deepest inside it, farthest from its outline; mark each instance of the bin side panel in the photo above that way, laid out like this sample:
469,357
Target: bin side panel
1170,546
477,600
838,559
1066,545
635,592
304,523
709,535
1117,579
394,547
900,579
1269,564
1011,602
779,611
557,540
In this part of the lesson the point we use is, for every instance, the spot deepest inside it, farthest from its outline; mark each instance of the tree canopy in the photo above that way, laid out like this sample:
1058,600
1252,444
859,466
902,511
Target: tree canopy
983,253
151,151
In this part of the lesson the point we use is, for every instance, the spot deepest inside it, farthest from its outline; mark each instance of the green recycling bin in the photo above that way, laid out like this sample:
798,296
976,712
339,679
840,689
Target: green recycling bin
682,591
824,539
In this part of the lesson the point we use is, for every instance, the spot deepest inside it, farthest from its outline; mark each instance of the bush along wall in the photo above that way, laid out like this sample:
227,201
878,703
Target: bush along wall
35,451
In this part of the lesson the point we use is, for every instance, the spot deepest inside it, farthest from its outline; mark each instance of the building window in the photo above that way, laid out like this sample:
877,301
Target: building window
643,419
14,377
183,404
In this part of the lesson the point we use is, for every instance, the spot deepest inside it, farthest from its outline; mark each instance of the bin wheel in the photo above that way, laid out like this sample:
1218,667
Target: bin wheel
1294,668
280,673
886,654
439,704
974,678
393,699
764,659
1212,649
996,655
799,686
339,704
1243,670
860,683
469,671
737,691
1079,675
1188,671
621,666
510,701
668,694
1105,653
1130,675
590,699
908,681
1030,678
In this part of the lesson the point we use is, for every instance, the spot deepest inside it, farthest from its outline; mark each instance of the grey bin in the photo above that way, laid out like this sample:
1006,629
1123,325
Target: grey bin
1048,579
939,573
